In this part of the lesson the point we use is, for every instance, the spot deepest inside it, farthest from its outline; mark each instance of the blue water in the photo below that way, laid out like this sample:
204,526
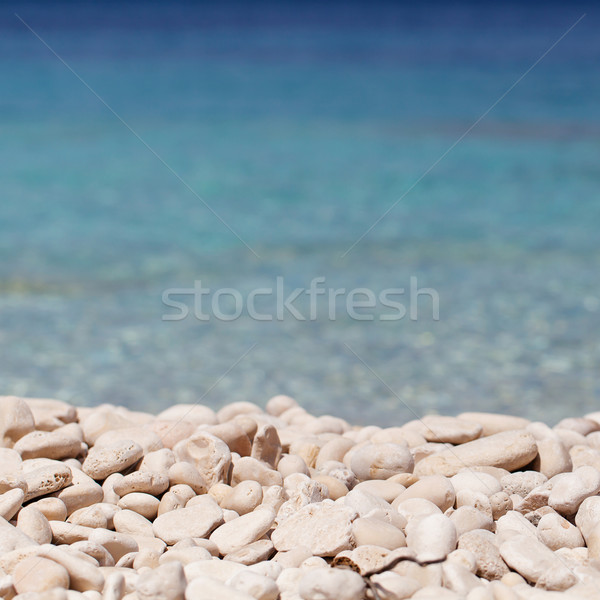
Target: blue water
300,126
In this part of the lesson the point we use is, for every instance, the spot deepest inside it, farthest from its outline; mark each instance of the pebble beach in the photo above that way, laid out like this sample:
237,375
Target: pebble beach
268,503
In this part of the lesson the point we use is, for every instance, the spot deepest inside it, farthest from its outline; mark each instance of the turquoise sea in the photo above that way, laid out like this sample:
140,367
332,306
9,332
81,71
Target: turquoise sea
300,125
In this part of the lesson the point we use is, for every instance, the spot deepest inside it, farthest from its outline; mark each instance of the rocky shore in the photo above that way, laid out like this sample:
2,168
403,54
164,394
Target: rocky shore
250,503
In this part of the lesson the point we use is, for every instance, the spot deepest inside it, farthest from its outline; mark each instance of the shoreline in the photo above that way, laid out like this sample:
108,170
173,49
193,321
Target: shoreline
265,503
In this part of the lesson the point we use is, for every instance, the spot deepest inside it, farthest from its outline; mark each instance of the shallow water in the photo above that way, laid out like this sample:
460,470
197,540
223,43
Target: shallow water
300,127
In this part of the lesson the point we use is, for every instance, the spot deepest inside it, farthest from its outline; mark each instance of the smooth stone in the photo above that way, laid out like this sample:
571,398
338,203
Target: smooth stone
257,551
553,457
452,430
435,488
416,508
260,587
493,423
10,503
131,523
475,481
53,509
432,537
82,492
143,436
195,521
381,461
331,584
172,432
222,570
371,531
534,561
508,450
206,588
89,516
468,518
47,478
143,482
324,528
391,586
112,458
210,455
117,544
277,405
34,524
196,414
234,436
573,488
234,409
49,414
83,575
335,488
333,450
292,463
96,551
159,461
185,555
68,533
386,489
48,445
101,419
556,532
166,582
36,574
248,468
588,515
141,503
243,498
242,531
16,420
186,474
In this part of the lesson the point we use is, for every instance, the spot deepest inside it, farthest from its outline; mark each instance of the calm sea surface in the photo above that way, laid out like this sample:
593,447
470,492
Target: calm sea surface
300,126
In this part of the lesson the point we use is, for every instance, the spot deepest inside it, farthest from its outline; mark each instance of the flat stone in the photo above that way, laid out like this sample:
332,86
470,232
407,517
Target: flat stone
252,553
47,444
452,430
50,476
381,461
508,450
493,423
242,531
324,528
36,574
195,521
10,502
142,481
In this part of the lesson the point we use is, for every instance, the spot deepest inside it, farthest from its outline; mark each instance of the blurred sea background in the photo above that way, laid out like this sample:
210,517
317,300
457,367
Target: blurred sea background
300,124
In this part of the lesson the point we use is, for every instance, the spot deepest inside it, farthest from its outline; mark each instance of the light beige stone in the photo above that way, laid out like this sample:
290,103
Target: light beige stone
158,461
50,476
588,515
195,521
553,457
131,523
90,516
432,537
68,533
248,468
187,474
234,436
118,544
267,445
277,405
482,545
141,503
50,414
10,502
210,455
96,551
468,518
244,497
324,528
493,423
371,531
82,492
242,531
48,445
207,588
166,582
36,574
435,488
292,463
83,575
391,586
196,414
143,436
144,482
380,461
221,570
386,489
16,420
112,458
53,509
331,584
556,532
333,450
34,524
171,432
335,488
573,488
232,410
509,450
258,586
257,551
534,561
441,429
416,508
